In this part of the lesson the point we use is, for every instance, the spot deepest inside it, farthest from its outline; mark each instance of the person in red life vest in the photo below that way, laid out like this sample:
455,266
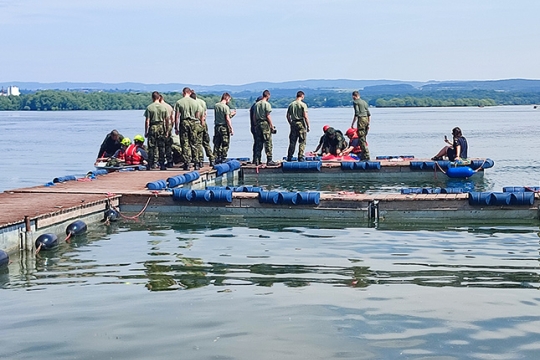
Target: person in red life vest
136,153
119,157
354,143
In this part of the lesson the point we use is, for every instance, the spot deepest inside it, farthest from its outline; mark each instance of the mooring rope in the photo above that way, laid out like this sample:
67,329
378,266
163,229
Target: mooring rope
135,217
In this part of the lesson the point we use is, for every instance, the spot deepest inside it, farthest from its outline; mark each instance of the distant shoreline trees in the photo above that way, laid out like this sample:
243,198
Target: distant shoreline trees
53,100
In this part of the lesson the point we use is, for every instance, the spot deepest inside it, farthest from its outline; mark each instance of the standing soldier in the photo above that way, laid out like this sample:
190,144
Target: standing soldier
222,127
205,136
253,125
265,129
155,130
168,134
362,117
297,116
188,125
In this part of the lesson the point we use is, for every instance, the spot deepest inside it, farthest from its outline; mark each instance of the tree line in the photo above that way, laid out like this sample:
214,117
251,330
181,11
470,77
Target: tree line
53,100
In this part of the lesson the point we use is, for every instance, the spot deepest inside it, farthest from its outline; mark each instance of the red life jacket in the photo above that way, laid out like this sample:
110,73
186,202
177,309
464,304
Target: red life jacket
132,155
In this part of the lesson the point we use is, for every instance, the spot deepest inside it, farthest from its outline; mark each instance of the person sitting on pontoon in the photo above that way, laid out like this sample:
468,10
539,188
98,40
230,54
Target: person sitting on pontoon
110,145
456,150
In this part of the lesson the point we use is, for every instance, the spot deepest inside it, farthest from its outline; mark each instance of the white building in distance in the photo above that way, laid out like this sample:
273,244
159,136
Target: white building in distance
11,91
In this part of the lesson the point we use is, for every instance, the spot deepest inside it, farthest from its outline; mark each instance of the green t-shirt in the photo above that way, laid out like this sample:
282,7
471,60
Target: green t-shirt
187,108
202,106
220,113
262,110
361,108
157,113
297,110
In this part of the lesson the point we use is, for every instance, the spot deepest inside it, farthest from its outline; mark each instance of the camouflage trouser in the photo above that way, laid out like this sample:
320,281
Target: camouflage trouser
264,139
253,130
191,141
298,133
156,145
206,143
363,128
168,149
222,138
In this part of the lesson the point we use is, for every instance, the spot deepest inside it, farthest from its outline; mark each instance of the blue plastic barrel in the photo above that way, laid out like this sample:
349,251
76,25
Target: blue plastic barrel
182,194
192,176
77,227
156,185
360,165
201,195
411,191
428,165
313,158
64,178
416,165
452,191
268,197
479,198
234,165
249,189
514,189
499,198
47,241
287,198
522,198
177,180
460,172
294,158
218,188
221,195
347,165
308,198
303,166
383,157
373,165
222,168
99,172
4,258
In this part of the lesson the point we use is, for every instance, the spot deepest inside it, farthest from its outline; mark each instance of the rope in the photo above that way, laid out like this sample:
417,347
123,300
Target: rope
69,237
440,168
481,166
39,248
135,217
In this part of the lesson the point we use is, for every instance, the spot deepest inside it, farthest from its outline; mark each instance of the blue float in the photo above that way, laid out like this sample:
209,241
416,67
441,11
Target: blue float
522,198
175,181
222,168
46,241
360,165
156,185
408,191
347,165
499,199
192,176
76,228
234,165
111,215
302,166
287,198
250,189
428,165
64,178
460,172
221,195
4,258
482,164
452,191
521,188
416,165
201,195
308,198
479,198
268,197
373,165
444,164
182,194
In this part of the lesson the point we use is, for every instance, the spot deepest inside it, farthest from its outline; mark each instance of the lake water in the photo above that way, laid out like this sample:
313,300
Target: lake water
169,287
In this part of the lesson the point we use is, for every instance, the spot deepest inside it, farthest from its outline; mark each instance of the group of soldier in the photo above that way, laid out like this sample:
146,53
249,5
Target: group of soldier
187,121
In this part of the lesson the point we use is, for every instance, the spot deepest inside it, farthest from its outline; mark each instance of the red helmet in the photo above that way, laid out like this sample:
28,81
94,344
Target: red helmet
350,132
325,127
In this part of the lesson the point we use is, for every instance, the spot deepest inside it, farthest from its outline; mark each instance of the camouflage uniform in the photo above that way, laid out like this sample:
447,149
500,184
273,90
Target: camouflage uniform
206,143
190,130
156,145
361,112
296,114
222,138
263,136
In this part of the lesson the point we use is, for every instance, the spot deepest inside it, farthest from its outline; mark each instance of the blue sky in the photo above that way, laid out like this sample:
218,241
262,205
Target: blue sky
211,42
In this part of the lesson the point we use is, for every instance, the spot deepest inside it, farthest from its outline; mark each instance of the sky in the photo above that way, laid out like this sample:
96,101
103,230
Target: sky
208,42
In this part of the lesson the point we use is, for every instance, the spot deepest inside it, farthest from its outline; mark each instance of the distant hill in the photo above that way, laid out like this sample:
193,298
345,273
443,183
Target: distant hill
289,88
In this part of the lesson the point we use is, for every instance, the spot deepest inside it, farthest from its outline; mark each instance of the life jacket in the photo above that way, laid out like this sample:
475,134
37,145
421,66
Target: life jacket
356,144
132,156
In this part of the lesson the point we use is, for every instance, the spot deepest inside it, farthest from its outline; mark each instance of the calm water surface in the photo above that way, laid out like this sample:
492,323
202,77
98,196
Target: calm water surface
229,288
